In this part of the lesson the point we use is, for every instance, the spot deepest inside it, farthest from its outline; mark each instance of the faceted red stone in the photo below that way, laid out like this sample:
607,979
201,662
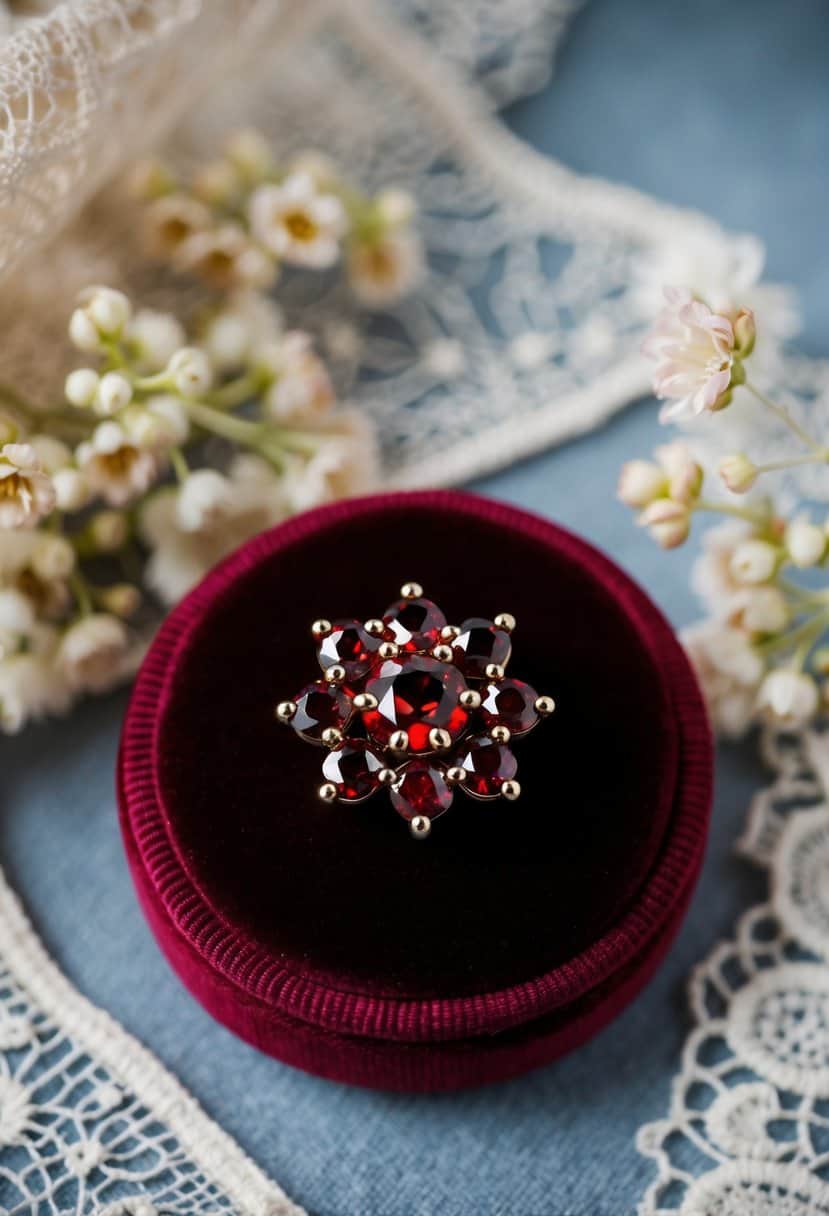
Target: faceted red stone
509,703
488,765
349,645
414,624
421,790
415,694
318,707
481,642
352,768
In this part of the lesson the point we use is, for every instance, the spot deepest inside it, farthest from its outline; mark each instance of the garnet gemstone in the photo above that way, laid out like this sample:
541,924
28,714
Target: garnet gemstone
415,694
318,707
352,768
509,703
421,789
479,643
349,645
488,765
414,624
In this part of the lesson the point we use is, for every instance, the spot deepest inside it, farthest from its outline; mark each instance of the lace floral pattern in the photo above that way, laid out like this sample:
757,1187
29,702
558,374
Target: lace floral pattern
748,1129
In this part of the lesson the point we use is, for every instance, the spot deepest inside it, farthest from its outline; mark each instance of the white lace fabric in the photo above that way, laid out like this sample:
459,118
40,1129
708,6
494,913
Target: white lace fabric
747,1133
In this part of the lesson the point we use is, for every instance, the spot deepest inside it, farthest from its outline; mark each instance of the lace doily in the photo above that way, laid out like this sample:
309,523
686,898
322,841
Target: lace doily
748,1129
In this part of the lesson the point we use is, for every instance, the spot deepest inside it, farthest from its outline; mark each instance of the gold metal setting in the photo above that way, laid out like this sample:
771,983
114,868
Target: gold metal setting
411,591
285,710
321,628
420,827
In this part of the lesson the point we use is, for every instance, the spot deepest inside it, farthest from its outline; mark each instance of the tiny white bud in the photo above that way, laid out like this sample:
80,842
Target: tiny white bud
190,372
805,542
753,561
71,491
109,310
170,417
205,498
52,558
82,331
738,472
122,599
109,530
114,393
228,339
640,482
157,336
788,697
765,611
667,521
395,207
81,386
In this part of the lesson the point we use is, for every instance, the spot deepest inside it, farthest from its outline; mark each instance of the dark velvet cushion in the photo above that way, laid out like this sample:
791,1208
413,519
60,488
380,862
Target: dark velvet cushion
332,913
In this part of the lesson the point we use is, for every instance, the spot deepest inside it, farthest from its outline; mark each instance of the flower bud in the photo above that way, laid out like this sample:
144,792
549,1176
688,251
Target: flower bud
820,660
765,611
667,521
121,599
109,310
754,561
170,418
395,207
738,472
52,558
640,482
805,543
789,698
156,336
205,498
685,475
71,491
81,386
250,153
745,332
114,394
190,371
108,530
82,331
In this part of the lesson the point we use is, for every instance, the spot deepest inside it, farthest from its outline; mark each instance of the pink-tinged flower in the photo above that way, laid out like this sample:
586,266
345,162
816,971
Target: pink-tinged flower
667,521
26,490
693,349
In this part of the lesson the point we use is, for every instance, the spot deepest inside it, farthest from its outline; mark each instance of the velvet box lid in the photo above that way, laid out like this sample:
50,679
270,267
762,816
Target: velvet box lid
324,934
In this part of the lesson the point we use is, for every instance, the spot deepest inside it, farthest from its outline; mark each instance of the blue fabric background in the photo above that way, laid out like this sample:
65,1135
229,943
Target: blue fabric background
720,106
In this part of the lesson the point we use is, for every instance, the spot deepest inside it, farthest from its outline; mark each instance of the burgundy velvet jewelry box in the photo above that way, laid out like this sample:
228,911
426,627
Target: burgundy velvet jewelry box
324,934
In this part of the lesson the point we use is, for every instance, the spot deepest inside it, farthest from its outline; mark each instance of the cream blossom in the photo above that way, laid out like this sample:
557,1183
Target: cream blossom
249,322
805,542
301,386
789,698
26,491
114,466
155,337
101,315
668,522
346,462
204,500
685,475
172,219
92,652
762,610
694,350
753,561
640,482
190,371
386,268
226,258
712,578
297,223
31,684
738,472
729,671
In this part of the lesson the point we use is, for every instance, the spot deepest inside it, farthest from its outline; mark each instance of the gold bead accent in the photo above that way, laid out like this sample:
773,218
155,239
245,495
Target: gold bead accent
544,706
450,632
389,650
399,741
285,710
327,792
440,740
500,734
511,790
331,736
387,776
321,628
420,827
443,654
375,627
505,621
364,701
470,698
455,775
411,591
494,671
335,674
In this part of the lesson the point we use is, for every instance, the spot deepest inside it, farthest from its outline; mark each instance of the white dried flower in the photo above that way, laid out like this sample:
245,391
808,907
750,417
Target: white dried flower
738,472
53,558
114,394
226,258
248,322
754,561
71,490
171,424
640,482
17,616
109,310
81,386
789,698
383,270
729,672
114,466
31,683
668,522
189,370
26,491
805,542
694,351
205,498
296,223
345,463
155,337
92,652
764,610
82,331
171,220
302,387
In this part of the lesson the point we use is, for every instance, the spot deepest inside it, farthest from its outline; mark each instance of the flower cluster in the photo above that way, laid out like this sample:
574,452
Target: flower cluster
760,654
102,493
241,218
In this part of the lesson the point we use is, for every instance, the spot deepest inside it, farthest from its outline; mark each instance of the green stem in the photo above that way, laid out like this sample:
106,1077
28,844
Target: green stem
818,457
180,466
749,514
227,426
235,392
807,632
785,417
82,592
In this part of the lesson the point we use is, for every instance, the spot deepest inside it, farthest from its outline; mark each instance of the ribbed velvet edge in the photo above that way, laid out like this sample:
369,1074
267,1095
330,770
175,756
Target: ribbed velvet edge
238,973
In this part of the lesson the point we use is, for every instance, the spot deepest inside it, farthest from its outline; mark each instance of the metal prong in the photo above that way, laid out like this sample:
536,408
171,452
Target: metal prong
500,734
455,775
389,650
544,706
505,621
440,740
327,792
450,632
335,674
494,671
411,591
331,736
511,790
321,628
399,742
375,627
364,700
470,698
442,653
285,710
387,776
420,827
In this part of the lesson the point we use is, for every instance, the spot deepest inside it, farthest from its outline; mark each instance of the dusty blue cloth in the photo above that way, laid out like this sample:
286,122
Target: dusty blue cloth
724,107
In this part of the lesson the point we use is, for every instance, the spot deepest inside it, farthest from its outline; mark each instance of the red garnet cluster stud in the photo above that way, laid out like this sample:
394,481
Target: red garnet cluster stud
419,706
